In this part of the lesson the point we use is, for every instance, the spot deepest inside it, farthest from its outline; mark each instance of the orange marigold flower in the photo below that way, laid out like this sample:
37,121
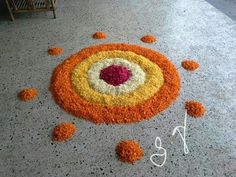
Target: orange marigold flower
195,109
190,65
63,131
99,35
55,51
148,39
28,94
129,151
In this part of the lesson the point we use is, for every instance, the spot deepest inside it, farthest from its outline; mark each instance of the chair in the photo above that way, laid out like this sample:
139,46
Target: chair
18,6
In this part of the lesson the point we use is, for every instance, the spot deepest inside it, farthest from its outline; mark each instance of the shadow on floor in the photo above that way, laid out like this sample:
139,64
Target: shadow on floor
4,13
228,7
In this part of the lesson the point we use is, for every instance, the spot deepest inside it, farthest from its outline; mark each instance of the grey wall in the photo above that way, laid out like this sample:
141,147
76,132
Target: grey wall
228,7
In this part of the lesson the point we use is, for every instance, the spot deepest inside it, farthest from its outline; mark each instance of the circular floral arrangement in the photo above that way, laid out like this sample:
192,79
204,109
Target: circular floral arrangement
115,83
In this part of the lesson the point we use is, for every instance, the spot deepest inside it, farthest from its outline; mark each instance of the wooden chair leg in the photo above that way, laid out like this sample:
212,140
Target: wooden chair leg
10,11
53,8
54,14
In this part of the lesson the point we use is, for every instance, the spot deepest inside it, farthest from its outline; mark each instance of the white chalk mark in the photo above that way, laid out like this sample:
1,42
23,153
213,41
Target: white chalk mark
158,146
183,137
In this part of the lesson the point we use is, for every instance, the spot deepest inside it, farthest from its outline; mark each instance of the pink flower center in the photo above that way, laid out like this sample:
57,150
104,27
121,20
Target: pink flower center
115,75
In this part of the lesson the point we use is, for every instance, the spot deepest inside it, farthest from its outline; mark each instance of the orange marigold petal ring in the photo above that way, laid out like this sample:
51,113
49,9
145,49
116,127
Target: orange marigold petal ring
76,91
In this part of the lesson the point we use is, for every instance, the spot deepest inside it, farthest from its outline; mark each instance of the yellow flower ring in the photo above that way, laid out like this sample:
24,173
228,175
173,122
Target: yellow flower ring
69,98
149,88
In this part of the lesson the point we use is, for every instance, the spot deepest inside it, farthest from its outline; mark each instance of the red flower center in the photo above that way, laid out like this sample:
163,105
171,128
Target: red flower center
115,75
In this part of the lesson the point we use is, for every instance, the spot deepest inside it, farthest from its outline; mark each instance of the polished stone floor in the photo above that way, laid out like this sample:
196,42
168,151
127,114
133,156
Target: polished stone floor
184,28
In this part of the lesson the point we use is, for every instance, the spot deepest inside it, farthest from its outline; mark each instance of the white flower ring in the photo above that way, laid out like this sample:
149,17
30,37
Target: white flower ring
137,78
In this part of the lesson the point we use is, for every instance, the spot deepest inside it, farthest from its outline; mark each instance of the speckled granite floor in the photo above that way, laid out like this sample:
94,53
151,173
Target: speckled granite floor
185,29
